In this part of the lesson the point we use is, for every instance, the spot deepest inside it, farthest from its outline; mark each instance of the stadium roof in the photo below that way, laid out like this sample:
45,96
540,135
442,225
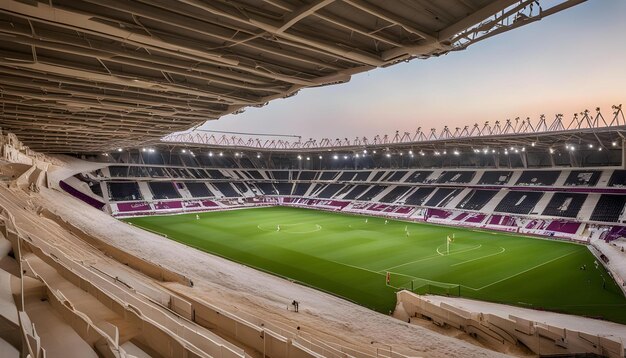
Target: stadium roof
90,76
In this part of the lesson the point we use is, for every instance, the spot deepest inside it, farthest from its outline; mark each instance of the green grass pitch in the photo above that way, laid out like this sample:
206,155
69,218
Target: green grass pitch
349,256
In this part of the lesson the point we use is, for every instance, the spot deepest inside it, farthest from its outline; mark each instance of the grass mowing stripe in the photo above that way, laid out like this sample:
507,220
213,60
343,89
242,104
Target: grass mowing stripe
346,255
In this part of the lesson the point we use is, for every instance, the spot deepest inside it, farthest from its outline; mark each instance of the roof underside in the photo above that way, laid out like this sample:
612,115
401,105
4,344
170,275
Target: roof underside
89,76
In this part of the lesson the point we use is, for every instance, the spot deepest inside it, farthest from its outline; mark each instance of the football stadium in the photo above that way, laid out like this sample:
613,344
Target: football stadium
130,228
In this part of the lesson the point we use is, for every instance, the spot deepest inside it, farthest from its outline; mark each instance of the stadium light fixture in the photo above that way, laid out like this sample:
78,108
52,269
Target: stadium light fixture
151,150
599,149
374,151
422,153
120,149
184,150
493,151
456,152
105,154
364,151
335,157
221,154
590,146
143,149
356,155
388,155
523,149
411,152
320,157
532,144
445,152
613,144
308,158
210,154
551,151
345,157
258,156
516,151
299,157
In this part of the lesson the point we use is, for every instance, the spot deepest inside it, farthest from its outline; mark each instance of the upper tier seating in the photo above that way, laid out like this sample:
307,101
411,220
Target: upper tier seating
609,208
198,190
378,175
618,178
124,191
418,176
158,172
476,199
163,190
455,177
395,176
538,177
216,174
307,175
495,177
583,177
362,176
518,202
328,175
347,176
565,205
280,174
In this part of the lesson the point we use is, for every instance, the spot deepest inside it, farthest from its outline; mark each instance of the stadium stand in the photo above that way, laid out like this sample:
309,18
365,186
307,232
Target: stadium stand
583,177
419,196
226,189
163,190
418,176
476,199
495,177
538,177
442,196
124,191
565,205
609,208
454,177
618,179
395,194
518,202
198,190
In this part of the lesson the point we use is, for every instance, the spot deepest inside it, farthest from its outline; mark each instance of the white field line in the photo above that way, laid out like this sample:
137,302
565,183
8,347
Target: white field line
431,257
482,257
521,272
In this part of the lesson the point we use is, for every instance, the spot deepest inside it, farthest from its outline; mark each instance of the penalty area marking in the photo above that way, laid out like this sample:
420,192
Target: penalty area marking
521,272
432,257
458,252
482,257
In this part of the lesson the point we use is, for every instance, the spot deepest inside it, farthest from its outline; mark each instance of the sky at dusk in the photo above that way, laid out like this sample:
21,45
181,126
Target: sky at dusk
565,63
